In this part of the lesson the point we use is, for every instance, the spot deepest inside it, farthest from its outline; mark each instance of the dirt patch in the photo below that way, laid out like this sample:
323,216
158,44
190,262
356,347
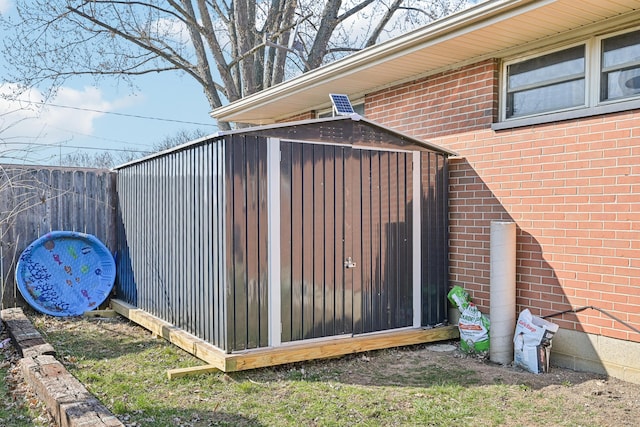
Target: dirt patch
616,402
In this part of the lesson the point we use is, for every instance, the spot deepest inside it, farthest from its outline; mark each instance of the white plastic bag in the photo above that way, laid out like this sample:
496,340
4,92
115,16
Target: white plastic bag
532,342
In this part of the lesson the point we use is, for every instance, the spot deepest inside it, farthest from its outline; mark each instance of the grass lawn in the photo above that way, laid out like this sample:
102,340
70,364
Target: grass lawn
125,367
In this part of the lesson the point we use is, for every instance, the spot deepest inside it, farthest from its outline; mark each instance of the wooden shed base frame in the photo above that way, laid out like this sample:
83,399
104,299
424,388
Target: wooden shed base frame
288,353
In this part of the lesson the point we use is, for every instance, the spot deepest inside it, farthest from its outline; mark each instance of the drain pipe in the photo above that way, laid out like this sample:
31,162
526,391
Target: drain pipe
502,296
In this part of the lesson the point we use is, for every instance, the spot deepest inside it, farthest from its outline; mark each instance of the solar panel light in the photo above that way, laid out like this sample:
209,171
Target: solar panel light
341,105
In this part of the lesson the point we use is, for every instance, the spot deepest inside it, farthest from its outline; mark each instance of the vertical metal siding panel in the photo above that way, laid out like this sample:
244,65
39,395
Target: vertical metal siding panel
219,312
122,282
252,238
229,252
199,249
146,230
154,215
133,235
166,246
431,201
213,256
376,243
139,230
177,306
202,251
397,224
163,208
286,225
443,237
223,268
178,224
239,244
176,230
354,297
330,241
187,240
342,316
407,257
183,286
142,233
384,240
319,267
263,243
206,250
348,200
148,212
297,278
152,211
307,242
125,203
393,285
196,238
366,264
205,245
404,313
427,219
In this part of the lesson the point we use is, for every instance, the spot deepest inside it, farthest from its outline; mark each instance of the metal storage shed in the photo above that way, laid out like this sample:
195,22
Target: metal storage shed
266,236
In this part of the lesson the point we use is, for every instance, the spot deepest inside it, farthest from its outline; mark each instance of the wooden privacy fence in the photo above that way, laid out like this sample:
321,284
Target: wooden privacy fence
35,200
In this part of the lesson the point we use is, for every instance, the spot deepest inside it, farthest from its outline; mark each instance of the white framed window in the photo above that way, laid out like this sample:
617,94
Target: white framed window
598,75
620,66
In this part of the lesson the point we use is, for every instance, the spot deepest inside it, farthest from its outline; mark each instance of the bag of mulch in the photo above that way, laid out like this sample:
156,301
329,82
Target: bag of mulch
473,325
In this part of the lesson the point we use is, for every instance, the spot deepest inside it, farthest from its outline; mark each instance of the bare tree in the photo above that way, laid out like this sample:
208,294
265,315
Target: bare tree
109,159
232,48
180,137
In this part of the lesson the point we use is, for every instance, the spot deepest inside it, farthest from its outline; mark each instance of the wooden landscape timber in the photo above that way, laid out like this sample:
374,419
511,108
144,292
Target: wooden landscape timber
193,370
286,353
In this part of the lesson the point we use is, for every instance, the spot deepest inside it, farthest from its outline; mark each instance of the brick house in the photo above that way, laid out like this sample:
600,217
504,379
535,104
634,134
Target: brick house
541,99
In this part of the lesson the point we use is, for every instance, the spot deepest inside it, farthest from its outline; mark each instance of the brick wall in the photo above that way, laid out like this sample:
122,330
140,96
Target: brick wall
443,104
572,187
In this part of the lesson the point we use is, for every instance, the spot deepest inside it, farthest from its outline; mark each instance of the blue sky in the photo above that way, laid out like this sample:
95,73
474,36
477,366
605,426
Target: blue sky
101,117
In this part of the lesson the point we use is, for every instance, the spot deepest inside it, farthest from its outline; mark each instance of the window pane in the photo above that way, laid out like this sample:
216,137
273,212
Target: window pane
550,82
620,76
537,71
620,84
546,98
622,49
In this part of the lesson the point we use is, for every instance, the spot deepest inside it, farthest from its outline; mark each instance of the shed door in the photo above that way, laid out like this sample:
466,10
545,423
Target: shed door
346,239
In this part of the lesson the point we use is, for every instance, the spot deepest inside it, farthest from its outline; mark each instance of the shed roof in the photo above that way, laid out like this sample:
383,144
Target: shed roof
351,130
495,28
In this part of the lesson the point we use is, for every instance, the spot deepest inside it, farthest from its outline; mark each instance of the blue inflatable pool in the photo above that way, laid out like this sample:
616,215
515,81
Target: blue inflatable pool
65,273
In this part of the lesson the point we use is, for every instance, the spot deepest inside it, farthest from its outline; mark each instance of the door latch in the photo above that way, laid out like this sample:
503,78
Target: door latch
349,263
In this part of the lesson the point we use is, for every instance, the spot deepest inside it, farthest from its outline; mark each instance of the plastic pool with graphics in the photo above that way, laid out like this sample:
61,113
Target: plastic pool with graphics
65,273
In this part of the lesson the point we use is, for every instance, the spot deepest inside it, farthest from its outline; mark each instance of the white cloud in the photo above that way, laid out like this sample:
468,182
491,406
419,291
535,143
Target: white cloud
5,6
71,113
